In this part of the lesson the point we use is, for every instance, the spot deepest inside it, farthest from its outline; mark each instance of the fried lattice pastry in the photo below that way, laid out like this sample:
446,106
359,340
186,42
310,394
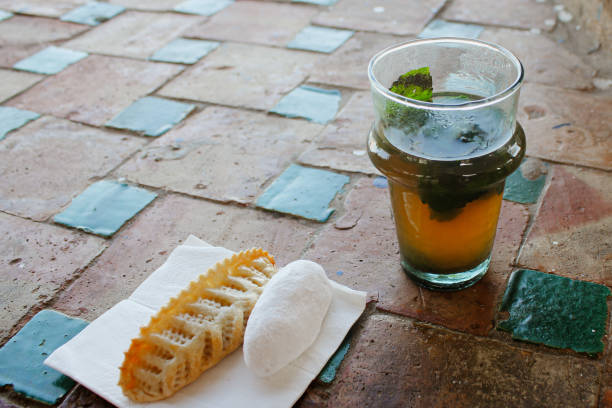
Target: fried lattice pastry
196,329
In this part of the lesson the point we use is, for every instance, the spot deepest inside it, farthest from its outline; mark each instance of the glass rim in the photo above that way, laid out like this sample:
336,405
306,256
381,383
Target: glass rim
479,103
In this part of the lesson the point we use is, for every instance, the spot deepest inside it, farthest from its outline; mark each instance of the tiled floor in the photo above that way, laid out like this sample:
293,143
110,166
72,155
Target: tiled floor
127,125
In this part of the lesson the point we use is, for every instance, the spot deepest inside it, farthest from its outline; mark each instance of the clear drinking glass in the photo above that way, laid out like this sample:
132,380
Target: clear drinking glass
447,160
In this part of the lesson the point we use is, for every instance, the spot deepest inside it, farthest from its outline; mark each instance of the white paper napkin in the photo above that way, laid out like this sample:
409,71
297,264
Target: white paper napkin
93,357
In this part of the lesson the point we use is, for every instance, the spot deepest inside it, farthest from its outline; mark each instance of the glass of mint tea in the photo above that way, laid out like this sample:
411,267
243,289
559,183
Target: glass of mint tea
445,135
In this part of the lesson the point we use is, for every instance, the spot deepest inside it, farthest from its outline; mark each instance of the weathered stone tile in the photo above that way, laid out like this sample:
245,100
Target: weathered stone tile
12,119
43,8
10,54
572,230
13,82
50,61
133,34
545,61
574,131
527,182
43,166
221,153
202,7
555,311
441,28
22,30
304,192
81,397
367,255
242,75
400,363
314,104
93,13
342,145
399,17
255,22
76,94
37,259
184,51
147,241
5,15
153,116
21,358
348,65
510,13
104,207
159,5
321,39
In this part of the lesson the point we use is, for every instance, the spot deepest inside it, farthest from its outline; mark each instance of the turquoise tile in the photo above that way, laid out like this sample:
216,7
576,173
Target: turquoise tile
21,358
93,13
104,207
151,115
315,104
50,61
328,374
318,2
13,118
5,14
555,311
441,28
304,192
202,7
523,190
184,51
320,39
380,182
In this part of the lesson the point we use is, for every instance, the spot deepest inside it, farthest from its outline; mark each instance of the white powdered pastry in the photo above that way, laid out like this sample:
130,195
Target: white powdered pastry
287,318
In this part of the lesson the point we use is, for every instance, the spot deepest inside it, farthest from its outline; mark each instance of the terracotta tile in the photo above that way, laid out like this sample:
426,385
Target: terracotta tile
13,82
133,34
342,145
399,17
572,230
255,22
396,362
194,157
510,13
242,75
146,243
576,131
43,166
545,61
37,259
95,89
23,30
44,8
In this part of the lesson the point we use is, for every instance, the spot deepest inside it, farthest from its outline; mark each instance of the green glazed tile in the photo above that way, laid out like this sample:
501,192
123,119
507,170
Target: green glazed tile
328,374
151,115
441,28
202,7
184,51
5,15
315,104
21,358
522,190
104,207
320,39
304,192
555,311
13,118
93,13
50,61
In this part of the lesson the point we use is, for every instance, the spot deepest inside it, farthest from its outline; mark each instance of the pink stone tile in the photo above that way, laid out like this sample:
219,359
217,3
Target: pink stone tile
45,8
23,31
585,136
37,260
221,153
134,34
11,54
342,145
14,82
572,230
510,13
399,17
242,75
146,243
43,166
256,22
545,61
95,89
348,65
